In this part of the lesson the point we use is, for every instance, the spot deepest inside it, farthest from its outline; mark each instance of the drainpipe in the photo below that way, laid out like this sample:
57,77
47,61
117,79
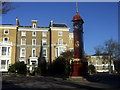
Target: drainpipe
50,53
17,23
16,44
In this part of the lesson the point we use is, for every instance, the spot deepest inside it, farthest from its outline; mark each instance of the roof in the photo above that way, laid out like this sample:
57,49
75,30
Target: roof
31,27
59,25
77,17
101,54
7,24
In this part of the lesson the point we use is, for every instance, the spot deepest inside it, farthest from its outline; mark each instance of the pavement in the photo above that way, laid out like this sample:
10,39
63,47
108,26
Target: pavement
52,83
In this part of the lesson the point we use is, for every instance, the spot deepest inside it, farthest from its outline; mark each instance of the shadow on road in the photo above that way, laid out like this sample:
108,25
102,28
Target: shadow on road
108,79
58,82
35,83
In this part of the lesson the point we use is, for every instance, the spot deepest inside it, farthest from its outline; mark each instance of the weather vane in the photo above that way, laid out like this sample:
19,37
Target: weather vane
76,7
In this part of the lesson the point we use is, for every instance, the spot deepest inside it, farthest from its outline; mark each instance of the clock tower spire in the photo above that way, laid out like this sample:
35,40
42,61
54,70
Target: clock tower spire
76,7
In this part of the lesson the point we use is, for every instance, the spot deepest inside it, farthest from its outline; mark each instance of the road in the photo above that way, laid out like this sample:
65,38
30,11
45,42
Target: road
49,82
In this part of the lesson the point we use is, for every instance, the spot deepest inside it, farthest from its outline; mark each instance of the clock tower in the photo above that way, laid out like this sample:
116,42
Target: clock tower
78,64
78,37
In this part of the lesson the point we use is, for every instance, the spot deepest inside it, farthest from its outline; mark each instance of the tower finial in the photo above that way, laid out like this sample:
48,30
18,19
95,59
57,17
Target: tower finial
76,7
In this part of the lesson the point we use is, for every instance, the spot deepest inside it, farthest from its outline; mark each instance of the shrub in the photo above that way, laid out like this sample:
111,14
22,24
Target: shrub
50,69
12,68
42,66
67,68
59,66
20,67
38,71
91,69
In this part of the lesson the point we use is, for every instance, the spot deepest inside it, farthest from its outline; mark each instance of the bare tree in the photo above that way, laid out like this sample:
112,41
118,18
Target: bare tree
6,7
112,48
98,49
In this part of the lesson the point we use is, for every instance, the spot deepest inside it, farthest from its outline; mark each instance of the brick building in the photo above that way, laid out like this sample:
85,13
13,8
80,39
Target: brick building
101,62
7,46
23,43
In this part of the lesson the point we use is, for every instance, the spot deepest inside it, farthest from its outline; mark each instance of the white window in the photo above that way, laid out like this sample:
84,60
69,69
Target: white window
44,34
23,33
61,50
23,41
4,50
97,59
6,32
44,52
5,39
33,52
103,67
34,34
44,41
60,41
59,33
22,52
56,52
8,51
33,41
3,64
34,25
7,62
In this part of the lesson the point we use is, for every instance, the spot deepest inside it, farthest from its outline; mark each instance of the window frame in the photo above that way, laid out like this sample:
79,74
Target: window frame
45,51
43,41
21,52
59,33
6,30
4,39
33,41
9,51
44,34
57,52
59,41
34,25
33,33
22,41
5,51
33,53
3,65
23,33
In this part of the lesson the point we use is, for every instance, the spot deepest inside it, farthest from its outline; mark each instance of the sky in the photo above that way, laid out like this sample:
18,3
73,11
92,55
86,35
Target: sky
100,18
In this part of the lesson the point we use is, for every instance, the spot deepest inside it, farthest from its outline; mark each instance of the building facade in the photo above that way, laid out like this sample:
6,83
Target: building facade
7,46
101,62
25,43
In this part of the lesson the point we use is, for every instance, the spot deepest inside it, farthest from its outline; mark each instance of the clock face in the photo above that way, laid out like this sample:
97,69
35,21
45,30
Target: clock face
76,26
77,44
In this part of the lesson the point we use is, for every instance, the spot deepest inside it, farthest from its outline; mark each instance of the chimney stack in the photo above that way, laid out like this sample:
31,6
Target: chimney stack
17,21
